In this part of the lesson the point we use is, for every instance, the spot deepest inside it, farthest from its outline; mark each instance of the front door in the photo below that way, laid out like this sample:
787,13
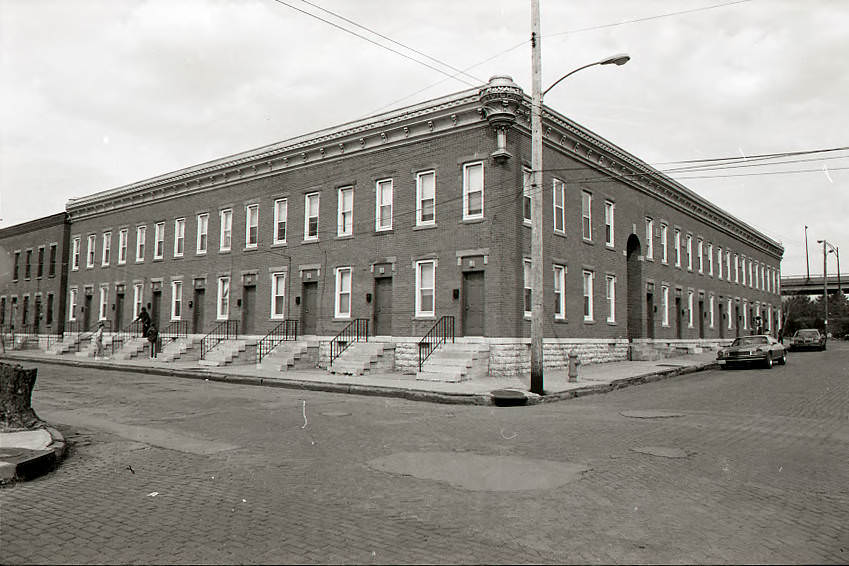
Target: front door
722,322
155,308
737,320
701,319
36,321
309,307
87,312
383,306
678,317
197,313
248,303
119,311
650,316
473,303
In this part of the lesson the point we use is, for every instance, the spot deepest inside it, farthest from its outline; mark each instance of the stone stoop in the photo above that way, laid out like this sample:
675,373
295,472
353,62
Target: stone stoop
68,342
456,362
290,354
225,352
362,357
89,349
131,348
177,349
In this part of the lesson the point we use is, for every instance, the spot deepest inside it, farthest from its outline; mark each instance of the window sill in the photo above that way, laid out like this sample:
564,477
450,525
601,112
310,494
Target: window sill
312,241
251,249
609,247
589,321
383,231
560,320
344,237
200,253
588,242
425,317
560,233
341,319
611,323
227,251
474,220
425,226
526,222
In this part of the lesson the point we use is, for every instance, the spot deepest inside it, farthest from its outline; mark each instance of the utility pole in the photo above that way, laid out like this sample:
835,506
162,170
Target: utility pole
537,364
825,284
807,261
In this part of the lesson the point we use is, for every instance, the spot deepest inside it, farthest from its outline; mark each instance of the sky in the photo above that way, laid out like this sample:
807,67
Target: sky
95,94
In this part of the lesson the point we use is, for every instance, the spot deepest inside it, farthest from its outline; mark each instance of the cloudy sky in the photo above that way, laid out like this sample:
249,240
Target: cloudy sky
95,94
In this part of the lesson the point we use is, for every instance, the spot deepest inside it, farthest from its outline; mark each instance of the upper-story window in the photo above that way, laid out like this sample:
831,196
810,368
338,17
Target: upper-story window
225,241
311,205
52,269
28,264
528,279
345,211
141,236
689,252
252,226
278,295
677,248
700,251
649,238
176,300
159,240
107,249
473,191
736,270
587,215
750,274
710,259
609,209
281,216
719,263
75,254
89,260
16,266
426,198
728,265
383,205
527,201
202,243
559,188
743,270
179,237
664,243
588,295
123,236
39,270
611,299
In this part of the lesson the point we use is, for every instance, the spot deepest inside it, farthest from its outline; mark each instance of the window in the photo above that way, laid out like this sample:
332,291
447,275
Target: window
251,226
728,265
472,191
159,240
711,309
311,216
383,205
559,206
89,260
710,259
223,305
664,305
611,299
225,240
689,252
138,298
560,292
426,198
278,295
677,248
343,293
664,244
2,310
745,316
736,270
72,305
28,264
104,302
49,309
609,209
15,269
528,274
122,246
179,237
730,318
281,214
527,181
176,300
345,211
588,296
701,258
39,270
75,254
719,263
425,285
750,273
586,215
649,238
202,234
107,249
689,309
52,270
141,235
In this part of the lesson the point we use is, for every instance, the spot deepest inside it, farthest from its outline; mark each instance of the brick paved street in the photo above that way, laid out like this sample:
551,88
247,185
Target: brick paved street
256,474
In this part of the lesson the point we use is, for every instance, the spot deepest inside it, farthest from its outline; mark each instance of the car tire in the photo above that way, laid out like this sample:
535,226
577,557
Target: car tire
783,360
768,361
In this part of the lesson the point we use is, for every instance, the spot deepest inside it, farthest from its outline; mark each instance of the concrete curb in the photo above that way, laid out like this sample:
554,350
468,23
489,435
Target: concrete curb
378,390
38,463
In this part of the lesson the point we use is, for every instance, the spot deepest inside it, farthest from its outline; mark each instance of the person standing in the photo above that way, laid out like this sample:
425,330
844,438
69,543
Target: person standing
145,320
152,337
98,341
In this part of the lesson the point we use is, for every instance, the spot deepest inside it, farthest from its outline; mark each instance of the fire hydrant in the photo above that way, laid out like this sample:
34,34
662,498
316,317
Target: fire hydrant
574,362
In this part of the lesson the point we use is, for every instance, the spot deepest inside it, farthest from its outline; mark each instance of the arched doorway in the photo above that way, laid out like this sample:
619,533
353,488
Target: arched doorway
634,276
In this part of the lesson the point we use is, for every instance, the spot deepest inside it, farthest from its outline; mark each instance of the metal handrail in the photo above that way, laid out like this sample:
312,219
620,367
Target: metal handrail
134,329
176,329
224,330
440,333
354,331
286,330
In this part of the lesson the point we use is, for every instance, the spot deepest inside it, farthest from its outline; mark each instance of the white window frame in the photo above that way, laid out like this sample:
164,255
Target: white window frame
745,315
690,309
664,243
730,312
420,289
106,252
76,244
559,292
176,300
719,263
728,265
278,290
527,288
72,304
179,237
467,190
159,240
611,298
649,238
382,189
736,269
202,236
609,223
251,226
664,305
420,185
588,277
700,252
712,307
123,238
141,237
222,304
138,299
689,252
677,247
587,216
103,307
90,251
225,236
527,201
308,198
751,283
345,211
281,219
343,288
710,259
559,189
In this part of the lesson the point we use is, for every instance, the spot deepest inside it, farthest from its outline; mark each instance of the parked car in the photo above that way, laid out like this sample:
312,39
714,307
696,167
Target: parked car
808,339
756,349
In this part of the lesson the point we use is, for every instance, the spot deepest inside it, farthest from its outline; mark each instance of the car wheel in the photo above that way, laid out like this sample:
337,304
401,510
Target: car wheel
783,360
768,361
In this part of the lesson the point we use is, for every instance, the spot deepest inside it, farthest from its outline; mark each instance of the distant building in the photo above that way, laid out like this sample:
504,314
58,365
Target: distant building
405,217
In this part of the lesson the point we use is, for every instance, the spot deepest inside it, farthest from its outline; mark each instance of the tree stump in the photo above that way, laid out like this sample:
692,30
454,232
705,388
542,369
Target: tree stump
16,385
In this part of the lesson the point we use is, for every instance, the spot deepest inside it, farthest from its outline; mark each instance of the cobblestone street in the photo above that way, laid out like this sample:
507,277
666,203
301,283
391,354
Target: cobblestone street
169,470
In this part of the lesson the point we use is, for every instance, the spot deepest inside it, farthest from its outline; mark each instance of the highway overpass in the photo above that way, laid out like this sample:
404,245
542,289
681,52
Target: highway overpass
803,285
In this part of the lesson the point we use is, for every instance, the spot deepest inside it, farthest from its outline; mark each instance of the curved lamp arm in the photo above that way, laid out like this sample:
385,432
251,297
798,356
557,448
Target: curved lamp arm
619,59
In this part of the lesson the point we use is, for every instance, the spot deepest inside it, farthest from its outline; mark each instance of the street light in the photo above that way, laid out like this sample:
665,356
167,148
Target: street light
831,249
536,192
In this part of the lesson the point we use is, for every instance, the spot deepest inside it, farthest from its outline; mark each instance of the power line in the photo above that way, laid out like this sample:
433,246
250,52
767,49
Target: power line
757,156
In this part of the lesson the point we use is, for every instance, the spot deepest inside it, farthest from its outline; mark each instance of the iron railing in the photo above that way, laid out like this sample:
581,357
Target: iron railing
133,330
440,333
354,331
224,330
286,330
25,332
175,329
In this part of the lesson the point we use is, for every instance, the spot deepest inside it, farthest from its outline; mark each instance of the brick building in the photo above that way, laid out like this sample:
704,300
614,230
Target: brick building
409,216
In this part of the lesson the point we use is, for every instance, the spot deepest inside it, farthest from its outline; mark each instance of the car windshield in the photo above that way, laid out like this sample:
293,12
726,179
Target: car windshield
807,334
750,341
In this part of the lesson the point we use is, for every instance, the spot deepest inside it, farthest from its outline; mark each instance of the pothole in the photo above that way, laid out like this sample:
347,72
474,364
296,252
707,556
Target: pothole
650,414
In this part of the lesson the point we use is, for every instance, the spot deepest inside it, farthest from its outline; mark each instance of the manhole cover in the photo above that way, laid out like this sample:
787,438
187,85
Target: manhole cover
650,414
509,397
662,451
